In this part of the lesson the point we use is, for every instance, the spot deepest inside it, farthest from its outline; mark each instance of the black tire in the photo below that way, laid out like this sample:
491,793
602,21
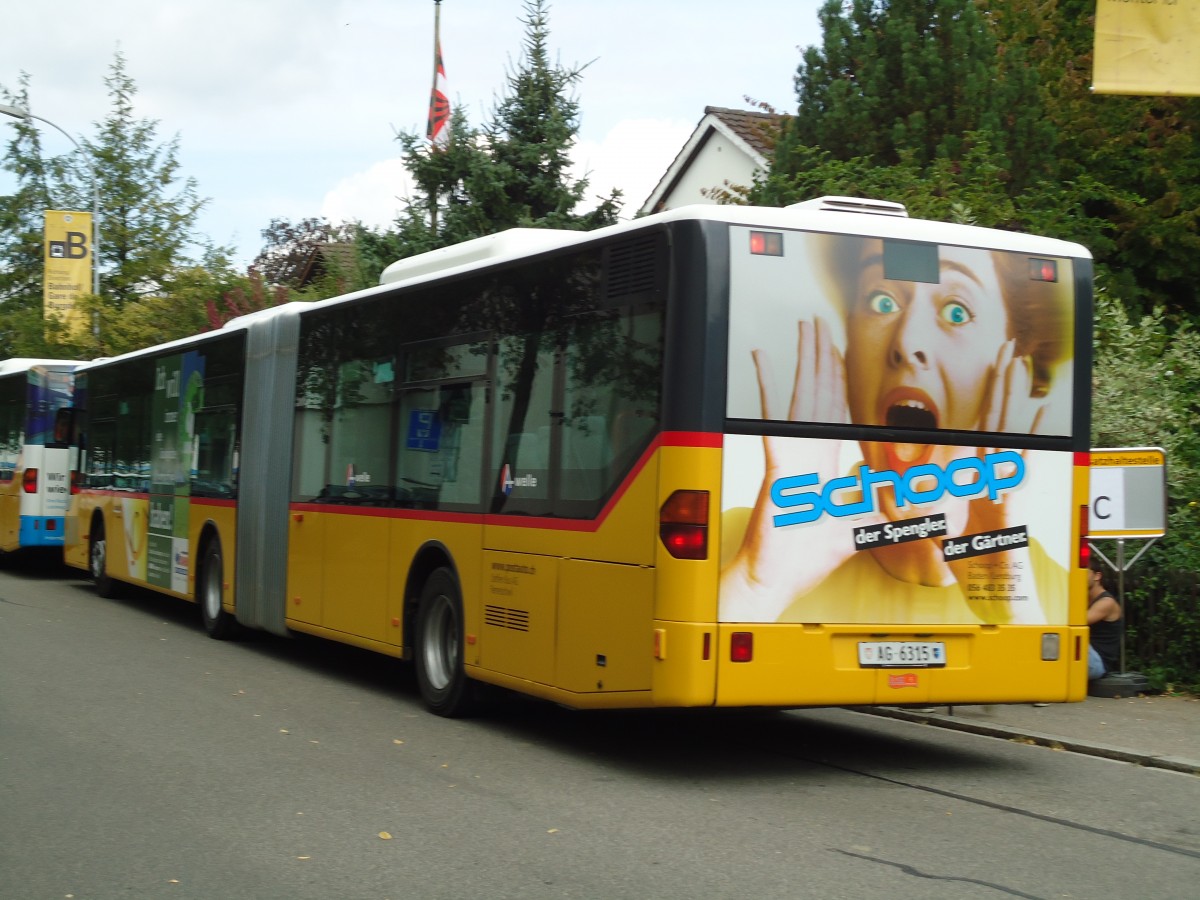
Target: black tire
106,586
210,591
445,687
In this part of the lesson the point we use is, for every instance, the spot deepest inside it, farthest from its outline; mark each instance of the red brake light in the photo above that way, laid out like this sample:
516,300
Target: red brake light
76,478
766,243
1085,549
741,646
1043,269
683,524
29,482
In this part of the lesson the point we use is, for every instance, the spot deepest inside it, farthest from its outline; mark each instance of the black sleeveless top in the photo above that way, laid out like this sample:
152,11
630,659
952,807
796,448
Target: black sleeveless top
1106,638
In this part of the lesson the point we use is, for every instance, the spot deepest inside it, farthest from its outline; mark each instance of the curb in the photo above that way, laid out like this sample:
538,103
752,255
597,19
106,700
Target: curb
1055,742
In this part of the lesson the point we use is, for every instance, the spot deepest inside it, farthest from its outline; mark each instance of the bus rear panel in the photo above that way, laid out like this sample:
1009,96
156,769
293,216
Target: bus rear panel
35,398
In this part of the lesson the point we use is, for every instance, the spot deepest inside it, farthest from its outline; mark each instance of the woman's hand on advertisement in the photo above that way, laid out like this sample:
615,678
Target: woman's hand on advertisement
1008,405
767,574
1008,408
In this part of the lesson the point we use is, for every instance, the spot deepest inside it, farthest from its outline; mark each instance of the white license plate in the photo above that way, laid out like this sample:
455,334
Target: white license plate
901,654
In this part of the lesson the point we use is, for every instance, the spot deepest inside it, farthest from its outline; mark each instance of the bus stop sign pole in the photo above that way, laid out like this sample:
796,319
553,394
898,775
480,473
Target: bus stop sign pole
1128,501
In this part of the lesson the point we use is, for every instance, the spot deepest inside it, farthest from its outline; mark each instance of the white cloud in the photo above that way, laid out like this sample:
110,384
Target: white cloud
632,156
287,108
373,197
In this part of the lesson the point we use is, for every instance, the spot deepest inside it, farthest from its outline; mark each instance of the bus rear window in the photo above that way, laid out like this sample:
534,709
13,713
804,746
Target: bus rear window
897,334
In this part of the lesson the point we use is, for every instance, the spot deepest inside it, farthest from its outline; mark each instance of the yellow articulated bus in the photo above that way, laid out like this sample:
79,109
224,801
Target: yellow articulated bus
718,456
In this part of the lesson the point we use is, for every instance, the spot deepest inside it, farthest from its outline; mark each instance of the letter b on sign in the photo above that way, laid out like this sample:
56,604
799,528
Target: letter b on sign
75,246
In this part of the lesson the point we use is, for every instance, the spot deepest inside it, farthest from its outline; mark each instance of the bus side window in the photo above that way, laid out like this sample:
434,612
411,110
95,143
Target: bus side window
212,469
528,450
97,464
440,452
345,406
587,455
12,414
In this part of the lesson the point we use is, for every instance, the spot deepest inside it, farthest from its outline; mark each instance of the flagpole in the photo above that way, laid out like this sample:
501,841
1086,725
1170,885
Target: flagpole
437,44
437,64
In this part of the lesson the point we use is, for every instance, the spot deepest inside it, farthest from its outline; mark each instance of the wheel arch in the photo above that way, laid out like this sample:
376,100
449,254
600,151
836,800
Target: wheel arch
433,555
209,532
97,516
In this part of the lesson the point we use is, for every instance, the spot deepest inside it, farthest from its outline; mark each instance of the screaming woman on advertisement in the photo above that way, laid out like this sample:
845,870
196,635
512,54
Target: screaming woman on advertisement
970,347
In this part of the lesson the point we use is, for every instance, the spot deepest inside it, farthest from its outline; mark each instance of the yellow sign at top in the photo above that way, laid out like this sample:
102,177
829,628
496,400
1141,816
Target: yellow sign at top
1147,47
1149,456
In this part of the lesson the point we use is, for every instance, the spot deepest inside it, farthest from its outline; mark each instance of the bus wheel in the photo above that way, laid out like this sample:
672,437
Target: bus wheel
98,563
217,622
444,685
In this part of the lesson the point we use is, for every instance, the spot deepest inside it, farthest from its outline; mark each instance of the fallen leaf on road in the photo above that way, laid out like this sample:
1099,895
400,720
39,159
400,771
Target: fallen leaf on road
385,836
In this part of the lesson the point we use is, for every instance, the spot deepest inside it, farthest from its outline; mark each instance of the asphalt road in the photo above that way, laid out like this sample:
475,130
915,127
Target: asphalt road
140,759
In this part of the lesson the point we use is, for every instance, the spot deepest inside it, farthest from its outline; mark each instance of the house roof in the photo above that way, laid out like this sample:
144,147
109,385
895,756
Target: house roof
757,129
752,132
324,256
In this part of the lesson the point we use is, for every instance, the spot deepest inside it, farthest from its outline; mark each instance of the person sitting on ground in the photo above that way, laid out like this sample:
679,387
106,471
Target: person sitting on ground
1105,624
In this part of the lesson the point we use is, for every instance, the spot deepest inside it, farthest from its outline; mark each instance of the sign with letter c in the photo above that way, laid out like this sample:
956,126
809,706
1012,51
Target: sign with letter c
1128,493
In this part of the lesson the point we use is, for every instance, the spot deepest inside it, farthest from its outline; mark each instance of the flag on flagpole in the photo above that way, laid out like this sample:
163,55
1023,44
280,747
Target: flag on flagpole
438,128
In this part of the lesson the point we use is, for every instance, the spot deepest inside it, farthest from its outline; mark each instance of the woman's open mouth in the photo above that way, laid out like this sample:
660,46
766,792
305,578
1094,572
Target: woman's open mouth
910,413
909,408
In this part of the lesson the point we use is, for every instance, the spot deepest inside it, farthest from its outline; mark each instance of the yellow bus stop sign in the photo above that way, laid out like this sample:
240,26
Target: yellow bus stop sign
1128,494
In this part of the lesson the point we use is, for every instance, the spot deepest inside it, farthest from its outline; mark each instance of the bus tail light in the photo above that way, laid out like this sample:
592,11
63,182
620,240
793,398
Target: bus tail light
76,479
683,524
1085,550
741,646
29,482
1043,269
766,243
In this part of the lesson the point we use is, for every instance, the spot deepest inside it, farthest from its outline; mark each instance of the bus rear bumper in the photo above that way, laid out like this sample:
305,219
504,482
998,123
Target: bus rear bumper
41,531
819,665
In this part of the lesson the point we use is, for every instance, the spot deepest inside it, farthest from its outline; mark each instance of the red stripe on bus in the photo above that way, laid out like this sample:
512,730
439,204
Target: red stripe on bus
1083,458
112,492
715,440
214,501
547,523
139,495
388,512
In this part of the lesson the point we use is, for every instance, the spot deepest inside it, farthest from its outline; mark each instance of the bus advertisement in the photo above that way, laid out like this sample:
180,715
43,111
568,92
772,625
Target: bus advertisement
718,456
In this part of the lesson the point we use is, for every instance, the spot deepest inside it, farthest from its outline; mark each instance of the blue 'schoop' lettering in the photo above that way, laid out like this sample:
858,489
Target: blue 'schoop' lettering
854,495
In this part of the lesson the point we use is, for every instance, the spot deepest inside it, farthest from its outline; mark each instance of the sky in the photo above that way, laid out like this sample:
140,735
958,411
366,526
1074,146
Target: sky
289,108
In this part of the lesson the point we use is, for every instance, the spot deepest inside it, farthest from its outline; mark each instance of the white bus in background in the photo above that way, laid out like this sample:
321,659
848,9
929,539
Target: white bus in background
35,485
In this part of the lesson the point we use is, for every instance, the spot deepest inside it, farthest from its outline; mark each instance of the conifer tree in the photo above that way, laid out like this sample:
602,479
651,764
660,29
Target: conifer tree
511,172
148,211
529,138
916,84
